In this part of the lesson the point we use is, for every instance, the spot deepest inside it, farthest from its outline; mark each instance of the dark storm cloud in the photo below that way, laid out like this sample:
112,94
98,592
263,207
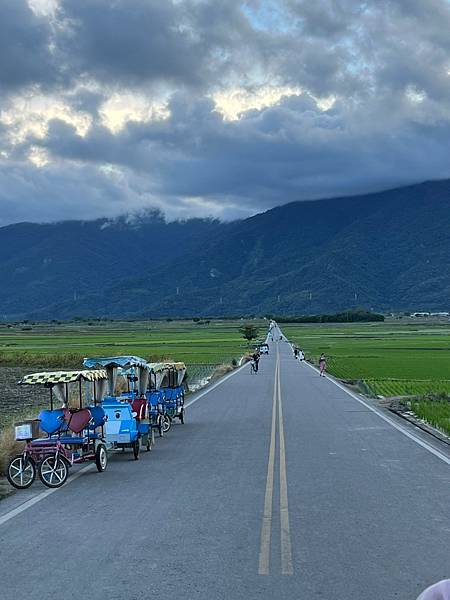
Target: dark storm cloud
384,64
139,41
25,56
76,192
288,152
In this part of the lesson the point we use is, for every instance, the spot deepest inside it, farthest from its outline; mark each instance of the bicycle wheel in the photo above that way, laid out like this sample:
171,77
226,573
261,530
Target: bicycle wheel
167,423
136,448
101,458
53,471
21,471
160,425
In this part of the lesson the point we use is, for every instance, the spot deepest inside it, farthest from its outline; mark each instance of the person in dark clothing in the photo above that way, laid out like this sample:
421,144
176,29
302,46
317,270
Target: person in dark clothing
255,358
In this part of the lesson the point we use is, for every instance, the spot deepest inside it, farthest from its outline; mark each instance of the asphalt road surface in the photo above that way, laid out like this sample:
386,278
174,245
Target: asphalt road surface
281,485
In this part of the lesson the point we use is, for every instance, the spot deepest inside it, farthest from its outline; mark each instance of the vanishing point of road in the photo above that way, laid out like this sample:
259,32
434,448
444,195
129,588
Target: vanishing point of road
281,485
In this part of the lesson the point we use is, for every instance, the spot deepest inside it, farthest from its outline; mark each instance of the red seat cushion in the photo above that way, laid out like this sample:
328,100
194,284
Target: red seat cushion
78,420
139,406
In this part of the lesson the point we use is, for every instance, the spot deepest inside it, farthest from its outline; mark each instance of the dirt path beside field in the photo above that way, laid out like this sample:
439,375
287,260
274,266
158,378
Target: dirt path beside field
17,400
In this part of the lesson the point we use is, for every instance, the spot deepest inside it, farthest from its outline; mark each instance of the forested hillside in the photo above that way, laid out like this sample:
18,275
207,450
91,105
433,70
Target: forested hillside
389,250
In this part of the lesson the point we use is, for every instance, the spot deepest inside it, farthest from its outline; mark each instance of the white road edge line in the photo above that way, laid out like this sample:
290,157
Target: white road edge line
35,499
32,501
399,428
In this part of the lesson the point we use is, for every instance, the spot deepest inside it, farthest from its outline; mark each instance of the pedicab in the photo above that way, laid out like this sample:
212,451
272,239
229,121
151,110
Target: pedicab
156,400
173,390
128,424
159,409
74,435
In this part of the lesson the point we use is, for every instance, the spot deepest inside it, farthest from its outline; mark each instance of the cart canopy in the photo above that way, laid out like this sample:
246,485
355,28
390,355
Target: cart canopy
180,371
55,377
125,362
113,363
163,373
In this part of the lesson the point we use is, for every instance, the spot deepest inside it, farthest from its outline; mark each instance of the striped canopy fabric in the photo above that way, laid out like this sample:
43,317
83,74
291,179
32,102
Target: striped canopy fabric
178,366
156,367
164,366
55,377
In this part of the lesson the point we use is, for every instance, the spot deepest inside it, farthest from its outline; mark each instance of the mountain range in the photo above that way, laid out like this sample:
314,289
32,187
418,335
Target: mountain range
384,251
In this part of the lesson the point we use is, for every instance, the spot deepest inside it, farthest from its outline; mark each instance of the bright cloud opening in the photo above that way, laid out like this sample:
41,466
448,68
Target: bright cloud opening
120,109
232,104
29,115
45,8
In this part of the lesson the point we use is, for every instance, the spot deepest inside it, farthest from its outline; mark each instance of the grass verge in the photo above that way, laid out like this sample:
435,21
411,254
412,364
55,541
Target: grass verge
434,412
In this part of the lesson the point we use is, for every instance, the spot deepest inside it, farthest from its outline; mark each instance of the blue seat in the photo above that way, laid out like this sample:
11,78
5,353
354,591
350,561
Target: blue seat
154,398
168,393
52,421
98,417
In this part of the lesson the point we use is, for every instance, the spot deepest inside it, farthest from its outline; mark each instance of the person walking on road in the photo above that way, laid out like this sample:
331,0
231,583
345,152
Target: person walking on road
322,364
255,359
301,355
296,352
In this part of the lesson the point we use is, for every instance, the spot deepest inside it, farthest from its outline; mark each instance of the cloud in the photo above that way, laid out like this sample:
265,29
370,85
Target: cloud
25,55
200,107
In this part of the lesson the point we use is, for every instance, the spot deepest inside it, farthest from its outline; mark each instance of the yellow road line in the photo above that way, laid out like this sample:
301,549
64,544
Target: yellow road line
286,548
287,567
266,528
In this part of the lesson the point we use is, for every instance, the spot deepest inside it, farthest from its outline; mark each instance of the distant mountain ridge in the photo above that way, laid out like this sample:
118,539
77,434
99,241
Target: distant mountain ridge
386,251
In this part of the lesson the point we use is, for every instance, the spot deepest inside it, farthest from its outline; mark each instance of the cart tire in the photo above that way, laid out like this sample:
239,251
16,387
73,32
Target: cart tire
53,471
21,475
182,416
167,423
101,458
160,426
136,448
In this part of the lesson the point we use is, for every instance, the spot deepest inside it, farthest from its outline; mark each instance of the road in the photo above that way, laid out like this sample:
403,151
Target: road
280,485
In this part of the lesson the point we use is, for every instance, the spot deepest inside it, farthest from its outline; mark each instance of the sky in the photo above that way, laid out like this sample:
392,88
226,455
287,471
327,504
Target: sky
220,108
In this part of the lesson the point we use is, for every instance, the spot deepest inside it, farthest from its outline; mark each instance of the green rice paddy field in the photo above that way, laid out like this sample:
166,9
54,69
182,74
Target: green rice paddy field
384,359
60,344
387,359
29,347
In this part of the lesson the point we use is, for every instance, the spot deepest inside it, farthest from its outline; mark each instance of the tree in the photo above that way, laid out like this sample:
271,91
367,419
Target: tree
249,332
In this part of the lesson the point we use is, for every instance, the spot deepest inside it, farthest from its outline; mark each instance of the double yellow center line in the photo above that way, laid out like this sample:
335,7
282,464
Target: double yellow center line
266,529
